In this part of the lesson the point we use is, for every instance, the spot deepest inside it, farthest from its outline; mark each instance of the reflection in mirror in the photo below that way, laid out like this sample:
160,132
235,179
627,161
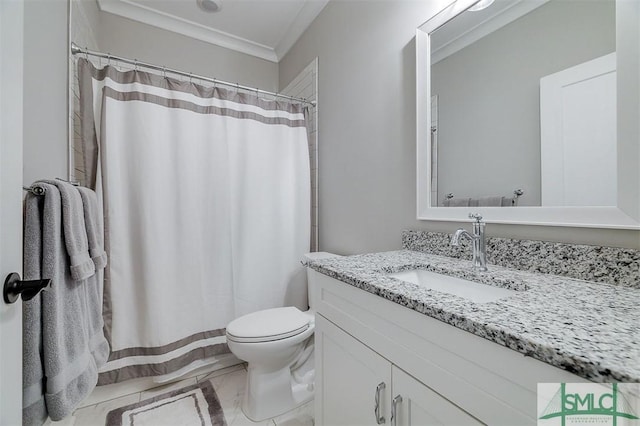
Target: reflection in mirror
523,105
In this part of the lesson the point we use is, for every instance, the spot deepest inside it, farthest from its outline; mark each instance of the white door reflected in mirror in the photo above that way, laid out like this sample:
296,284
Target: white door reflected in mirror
578,135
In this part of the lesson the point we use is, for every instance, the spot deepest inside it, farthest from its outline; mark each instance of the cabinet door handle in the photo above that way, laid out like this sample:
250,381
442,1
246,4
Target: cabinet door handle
379,388
394,407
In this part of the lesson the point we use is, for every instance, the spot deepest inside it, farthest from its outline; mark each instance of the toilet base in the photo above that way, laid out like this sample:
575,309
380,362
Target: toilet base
279,392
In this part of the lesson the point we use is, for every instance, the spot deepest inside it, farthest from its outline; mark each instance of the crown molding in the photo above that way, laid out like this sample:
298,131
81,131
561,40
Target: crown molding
305,17
137,12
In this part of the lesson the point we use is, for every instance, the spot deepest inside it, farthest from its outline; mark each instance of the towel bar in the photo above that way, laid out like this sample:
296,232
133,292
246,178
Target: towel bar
517,193
35,189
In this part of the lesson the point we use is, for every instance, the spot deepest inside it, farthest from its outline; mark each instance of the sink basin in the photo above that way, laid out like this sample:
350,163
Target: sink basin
476,292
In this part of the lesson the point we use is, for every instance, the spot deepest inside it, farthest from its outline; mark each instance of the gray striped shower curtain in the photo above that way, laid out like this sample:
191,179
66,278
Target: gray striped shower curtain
206,201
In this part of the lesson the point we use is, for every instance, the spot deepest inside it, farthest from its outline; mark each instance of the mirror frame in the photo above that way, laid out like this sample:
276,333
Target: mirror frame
626,215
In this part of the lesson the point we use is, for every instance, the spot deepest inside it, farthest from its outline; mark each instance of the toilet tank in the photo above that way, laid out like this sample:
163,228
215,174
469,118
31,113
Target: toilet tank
311,273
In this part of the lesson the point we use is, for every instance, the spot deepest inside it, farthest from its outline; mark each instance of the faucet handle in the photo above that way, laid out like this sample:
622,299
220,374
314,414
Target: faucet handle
476,216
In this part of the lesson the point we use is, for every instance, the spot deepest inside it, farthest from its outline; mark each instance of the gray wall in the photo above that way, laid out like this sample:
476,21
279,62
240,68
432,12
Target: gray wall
45,92
366,128
85,23
489,97
150,44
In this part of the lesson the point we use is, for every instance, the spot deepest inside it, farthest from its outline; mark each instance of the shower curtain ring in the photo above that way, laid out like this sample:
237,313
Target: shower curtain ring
164,72
190,75
108,58
135,65
86,53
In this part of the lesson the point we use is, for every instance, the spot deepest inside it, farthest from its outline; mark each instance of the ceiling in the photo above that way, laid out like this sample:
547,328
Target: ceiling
263,28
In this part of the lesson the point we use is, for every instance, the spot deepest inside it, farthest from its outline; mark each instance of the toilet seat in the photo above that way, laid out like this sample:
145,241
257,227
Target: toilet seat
268,325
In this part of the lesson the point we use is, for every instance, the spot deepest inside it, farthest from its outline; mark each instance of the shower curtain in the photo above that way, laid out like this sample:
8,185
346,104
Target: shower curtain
206,199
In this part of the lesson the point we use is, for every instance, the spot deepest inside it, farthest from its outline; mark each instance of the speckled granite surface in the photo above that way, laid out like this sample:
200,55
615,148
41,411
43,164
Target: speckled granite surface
590,329
612,265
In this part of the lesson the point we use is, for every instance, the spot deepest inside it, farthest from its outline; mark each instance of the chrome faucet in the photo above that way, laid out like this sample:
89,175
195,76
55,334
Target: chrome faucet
477,238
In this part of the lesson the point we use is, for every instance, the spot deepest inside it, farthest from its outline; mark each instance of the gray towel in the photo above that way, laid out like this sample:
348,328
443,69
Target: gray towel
98,344
509,201
75,230
457,202
34,410
62,347
488,201
93,223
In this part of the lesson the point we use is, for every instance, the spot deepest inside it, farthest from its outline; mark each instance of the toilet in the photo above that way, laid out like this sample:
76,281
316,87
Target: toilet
277,345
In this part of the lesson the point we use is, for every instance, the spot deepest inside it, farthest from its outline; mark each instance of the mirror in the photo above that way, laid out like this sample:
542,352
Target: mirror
517,108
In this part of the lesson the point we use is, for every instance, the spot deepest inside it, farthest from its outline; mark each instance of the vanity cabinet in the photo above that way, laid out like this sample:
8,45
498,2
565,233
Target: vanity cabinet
419,405
360,387
443,374
353,379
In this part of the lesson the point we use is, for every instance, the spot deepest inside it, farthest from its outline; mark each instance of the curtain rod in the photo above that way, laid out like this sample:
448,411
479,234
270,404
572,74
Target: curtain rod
75,50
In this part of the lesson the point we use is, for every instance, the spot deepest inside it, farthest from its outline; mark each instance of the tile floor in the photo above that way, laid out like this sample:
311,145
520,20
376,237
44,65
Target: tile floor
229,384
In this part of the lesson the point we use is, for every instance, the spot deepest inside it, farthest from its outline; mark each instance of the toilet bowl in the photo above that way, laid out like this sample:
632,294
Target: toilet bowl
277,345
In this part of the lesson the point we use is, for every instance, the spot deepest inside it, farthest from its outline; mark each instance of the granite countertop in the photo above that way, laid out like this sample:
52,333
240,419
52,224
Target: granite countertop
589,329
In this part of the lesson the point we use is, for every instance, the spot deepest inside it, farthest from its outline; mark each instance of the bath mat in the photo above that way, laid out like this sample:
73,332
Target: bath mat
195,405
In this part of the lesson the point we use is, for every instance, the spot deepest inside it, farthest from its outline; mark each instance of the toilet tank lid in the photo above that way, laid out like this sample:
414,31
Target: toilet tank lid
319,255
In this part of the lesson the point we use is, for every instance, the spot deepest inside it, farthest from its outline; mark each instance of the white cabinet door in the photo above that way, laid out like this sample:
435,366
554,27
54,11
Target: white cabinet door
347,376
420,406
